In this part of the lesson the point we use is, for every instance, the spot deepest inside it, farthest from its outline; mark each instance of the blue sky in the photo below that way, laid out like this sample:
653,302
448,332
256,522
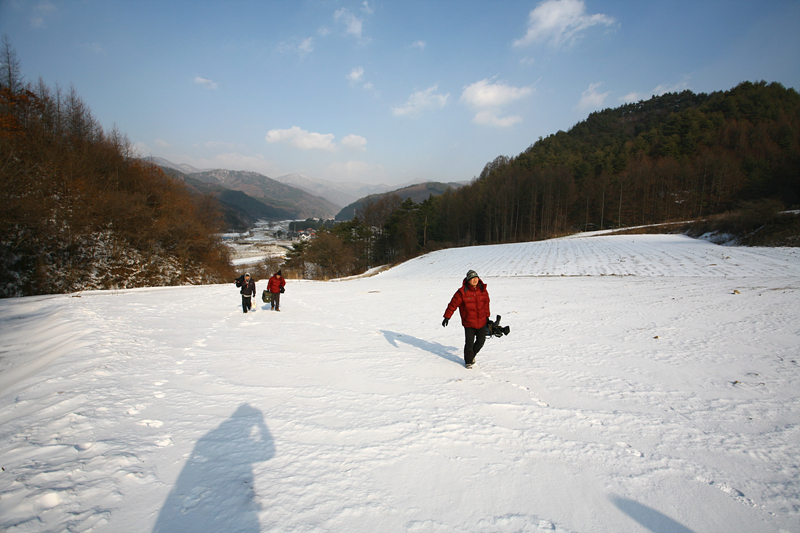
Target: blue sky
384,91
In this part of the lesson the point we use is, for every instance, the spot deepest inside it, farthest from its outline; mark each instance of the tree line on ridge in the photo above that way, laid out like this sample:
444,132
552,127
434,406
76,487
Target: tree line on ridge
676,157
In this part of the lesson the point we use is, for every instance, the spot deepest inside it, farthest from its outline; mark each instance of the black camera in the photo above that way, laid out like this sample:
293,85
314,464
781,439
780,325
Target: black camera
495,329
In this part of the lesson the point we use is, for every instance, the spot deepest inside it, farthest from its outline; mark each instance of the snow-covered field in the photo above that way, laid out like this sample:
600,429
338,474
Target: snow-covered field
649,383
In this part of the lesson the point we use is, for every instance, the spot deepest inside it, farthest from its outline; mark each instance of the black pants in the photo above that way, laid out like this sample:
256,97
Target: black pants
473,342
276,301
245,303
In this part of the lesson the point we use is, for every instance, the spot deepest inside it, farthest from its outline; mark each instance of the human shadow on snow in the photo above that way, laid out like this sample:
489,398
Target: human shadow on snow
649,518
214,491
435,348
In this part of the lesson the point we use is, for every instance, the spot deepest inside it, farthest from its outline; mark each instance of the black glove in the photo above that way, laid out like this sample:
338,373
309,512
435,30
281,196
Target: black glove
445,322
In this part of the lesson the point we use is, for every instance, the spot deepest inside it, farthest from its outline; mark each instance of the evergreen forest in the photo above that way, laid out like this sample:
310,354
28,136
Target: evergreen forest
676,157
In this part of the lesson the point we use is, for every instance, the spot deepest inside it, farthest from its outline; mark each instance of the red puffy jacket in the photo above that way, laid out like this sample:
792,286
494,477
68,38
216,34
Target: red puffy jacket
275,284
472,303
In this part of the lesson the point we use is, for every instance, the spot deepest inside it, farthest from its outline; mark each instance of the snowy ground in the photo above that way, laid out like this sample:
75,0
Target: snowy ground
649,383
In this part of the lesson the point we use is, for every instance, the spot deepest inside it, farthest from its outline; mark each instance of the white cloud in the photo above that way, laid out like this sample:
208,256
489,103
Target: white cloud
658,91
306,140
631,97
488,97
419,44
675,88
42,13
591,99
560,21
422,100
302,139
356,75
484,93
491,118
208,84
162,143
353,25
354,142
296,46
306,46
349,23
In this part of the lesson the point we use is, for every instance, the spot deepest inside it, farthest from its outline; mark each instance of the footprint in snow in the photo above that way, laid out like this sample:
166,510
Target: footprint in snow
724,487
630,450
135,410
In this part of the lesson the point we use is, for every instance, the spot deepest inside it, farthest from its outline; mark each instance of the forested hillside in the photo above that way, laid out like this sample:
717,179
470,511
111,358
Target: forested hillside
418,193
284,201
240,212
676,157
79,211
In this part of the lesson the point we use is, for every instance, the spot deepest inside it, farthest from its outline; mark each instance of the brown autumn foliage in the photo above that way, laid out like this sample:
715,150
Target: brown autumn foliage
79,211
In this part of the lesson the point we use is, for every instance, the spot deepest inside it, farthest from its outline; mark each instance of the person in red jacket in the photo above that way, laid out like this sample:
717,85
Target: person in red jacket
472,301
276,285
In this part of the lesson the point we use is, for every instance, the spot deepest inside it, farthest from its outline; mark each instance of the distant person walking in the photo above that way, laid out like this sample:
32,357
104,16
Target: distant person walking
276,285
248,291
472,301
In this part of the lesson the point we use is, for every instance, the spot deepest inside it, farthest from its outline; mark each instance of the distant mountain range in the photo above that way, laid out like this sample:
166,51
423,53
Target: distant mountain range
248,196
419,192
259,196
338,194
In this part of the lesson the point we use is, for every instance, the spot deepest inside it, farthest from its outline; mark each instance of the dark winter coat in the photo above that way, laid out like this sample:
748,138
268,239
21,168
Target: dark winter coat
275,284
248,288
472,303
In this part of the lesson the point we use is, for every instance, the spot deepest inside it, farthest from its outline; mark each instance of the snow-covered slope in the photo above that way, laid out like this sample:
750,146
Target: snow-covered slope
649,383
